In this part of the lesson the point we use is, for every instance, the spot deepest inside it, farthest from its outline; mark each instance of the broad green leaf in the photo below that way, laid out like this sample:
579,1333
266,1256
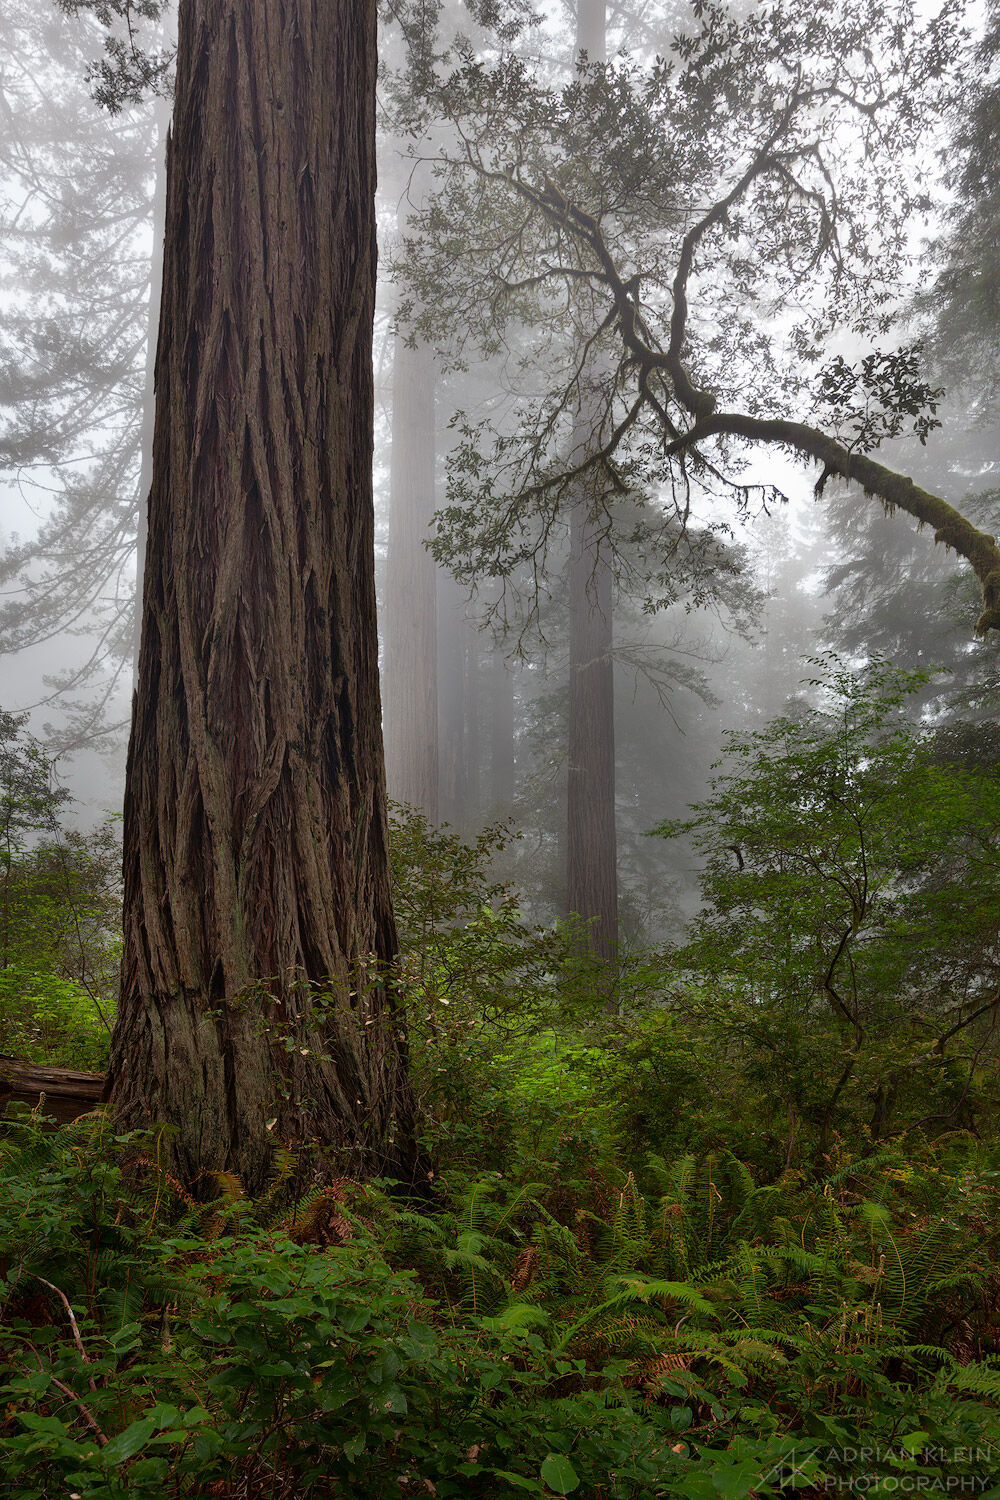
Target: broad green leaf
127,1444
355,1446
353,1319
518,1480
393,1400
559,1474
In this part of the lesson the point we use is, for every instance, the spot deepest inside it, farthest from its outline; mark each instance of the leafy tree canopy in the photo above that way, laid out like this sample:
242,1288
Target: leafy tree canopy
670,258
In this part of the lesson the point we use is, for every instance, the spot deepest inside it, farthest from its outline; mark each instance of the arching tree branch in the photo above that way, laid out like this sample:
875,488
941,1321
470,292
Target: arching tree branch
895,491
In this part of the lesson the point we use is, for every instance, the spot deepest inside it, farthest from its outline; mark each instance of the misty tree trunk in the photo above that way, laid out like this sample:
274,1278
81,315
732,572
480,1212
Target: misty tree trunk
161,118
410,625
256,885
502,727
453,627
474,679
591,846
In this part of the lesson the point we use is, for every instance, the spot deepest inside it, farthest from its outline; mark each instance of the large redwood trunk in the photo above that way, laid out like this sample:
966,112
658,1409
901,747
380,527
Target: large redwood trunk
256,886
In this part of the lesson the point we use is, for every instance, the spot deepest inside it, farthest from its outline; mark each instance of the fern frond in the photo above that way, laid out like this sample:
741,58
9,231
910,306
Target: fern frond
981,1378
645,1289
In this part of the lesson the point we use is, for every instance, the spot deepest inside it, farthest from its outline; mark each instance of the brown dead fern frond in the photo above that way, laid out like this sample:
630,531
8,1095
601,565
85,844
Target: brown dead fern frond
320,1219
525,1268
647,1372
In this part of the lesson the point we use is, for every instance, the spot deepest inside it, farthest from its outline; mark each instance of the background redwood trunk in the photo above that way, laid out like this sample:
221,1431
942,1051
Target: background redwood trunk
456,706
503,762
410,626
255,828
591,837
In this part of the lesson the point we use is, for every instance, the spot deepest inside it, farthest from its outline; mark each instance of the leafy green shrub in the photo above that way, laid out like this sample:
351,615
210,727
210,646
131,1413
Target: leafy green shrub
852,915
506,1017
478,976
50,1019
149,1342
59,916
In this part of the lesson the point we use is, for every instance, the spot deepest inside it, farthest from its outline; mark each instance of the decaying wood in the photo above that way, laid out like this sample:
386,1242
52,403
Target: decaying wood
67,1093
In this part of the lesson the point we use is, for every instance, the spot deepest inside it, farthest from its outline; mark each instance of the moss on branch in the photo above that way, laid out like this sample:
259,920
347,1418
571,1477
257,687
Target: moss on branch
895,491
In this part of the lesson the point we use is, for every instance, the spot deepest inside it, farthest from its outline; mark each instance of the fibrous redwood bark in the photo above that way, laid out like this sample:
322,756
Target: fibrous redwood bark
256,886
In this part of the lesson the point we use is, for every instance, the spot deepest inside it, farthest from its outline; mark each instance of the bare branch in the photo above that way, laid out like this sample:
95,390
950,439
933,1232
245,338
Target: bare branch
78,1341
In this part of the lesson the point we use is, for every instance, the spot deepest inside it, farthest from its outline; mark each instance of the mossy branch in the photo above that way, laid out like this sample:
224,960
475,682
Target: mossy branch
895,491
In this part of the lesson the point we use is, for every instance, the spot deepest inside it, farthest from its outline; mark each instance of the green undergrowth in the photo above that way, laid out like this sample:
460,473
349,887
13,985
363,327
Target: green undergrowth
682,1330
733,1236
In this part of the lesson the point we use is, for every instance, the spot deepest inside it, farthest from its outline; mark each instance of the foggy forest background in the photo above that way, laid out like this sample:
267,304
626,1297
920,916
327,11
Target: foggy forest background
78,240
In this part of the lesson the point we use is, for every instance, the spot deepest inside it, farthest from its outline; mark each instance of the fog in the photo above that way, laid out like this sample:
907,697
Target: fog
694,608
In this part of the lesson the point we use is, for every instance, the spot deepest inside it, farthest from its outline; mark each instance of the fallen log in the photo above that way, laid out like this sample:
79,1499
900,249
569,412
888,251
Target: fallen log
68,1093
